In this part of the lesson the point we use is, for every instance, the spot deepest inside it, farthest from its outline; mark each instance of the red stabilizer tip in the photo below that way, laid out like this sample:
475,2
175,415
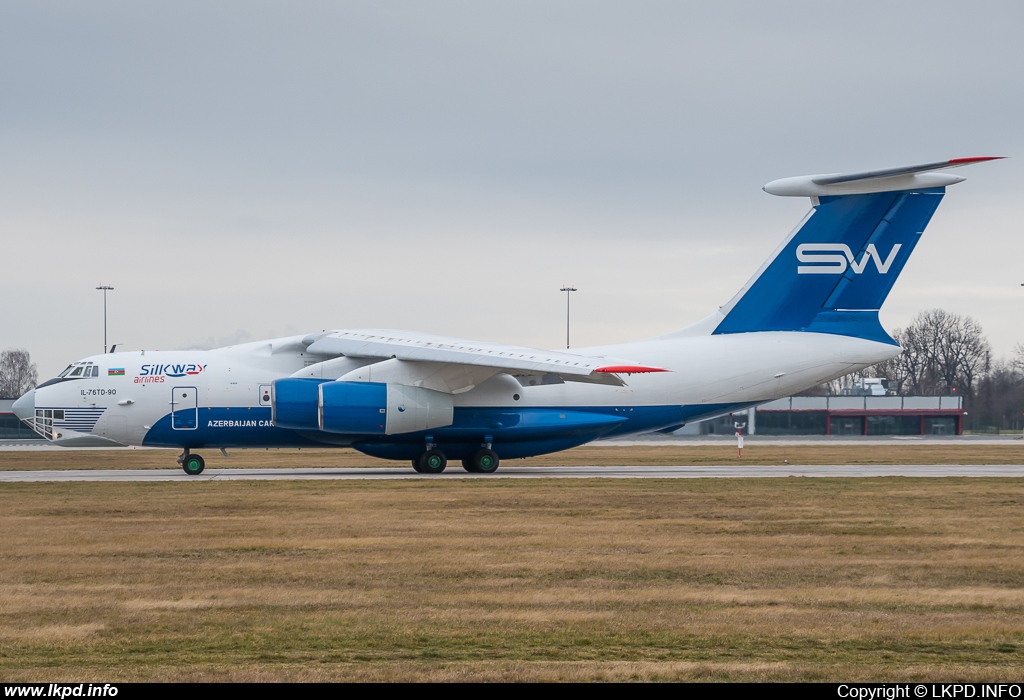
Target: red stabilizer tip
976,159
629,369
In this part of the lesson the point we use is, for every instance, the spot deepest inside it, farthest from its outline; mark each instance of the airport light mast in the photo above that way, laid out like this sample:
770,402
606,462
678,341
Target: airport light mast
568,289
105,288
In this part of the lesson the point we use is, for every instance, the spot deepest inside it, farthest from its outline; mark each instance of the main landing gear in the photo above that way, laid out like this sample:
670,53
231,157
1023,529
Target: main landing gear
192,464
433,461
483,461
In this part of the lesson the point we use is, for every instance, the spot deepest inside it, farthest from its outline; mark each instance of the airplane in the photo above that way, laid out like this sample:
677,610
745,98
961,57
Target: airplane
808,315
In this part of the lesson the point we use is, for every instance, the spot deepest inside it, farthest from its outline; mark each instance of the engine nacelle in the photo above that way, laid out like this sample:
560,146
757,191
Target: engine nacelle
294,403
372,408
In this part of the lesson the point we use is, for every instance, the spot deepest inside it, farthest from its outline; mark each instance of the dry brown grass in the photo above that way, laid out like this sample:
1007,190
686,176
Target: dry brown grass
780,579
721,453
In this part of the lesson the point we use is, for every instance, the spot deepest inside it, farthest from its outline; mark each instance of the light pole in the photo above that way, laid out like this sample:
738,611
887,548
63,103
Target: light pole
567,289
105,288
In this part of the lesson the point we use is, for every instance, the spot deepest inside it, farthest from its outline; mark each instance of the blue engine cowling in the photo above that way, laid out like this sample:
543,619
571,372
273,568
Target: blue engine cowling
295,403
373,408
358,408
354,407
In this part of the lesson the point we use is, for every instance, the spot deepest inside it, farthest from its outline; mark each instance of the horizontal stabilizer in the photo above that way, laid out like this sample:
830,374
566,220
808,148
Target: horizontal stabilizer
910,177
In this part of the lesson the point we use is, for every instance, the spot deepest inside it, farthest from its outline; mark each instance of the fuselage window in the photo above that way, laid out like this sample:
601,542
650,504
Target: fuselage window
95,371
77,372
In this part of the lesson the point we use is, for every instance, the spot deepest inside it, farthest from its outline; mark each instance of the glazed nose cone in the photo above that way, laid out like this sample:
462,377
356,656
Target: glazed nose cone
25,407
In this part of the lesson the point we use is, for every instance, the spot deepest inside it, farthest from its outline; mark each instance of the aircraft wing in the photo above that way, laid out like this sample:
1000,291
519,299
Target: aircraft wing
511,359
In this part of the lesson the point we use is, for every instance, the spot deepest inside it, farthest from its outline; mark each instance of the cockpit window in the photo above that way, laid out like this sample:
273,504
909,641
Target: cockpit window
79,370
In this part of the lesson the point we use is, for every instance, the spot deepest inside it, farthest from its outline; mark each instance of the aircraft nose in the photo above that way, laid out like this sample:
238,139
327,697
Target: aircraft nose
25,407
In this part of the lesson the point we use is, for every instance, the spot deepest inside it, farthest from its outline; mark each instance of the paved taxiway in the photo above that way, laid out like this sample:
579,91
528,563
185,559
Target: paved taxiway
687,472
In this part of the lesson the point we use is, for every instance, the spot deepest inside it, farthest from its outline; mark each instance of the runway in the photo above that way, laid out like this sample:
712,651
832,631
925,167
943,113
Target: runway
674,441
738,471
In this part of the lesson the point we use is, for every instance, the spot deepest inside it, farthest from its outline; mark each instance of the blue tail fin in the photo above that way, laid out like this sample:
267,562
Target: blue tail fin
836,269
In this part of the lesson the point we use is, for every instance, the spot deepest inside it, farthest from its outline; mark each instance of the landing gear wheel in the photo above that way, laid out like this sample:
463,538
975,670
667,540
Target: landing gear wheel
416,465
193,465
432,462
485,461
469,466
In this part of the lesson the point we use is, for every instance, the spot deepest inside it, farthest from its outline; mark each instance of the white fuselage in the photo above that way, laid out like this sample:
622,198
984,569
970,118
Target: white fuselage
707,374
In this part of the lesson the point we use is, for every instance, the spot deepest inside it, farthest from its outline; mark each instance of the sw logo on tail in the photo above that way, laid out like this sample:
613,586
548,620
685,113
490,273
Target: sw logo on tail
826,260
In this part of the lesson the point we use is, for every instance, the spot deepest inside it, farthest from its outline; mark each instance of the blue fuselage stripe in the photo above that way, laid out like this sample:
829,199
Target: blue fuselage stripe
252,427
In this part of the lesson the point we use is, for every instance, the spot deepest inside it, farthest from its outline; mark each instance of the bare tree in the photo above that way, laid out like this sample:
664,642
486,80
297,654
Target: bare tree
17,373
941,330
1018,357
911,371
941,351
973,353
1000,396
956,350
904,371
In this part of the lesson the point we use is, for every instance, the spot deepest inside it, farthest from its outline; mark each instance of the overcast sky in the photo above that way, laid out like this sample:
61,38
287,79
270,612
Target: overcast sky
240,170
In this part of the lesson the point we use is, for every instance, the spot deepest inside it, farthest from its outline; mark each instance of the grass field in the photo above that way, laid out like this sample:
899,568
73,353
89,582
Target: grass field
486,579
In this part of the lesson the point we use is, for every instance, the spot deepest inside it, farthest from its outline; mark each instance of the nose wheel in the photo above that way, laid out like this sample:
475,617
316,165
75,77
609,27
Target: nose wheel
193,465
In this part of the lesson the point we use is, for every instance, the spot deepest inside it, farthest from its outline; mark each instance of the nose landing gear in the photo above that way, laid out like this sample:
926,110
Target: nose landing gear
192,464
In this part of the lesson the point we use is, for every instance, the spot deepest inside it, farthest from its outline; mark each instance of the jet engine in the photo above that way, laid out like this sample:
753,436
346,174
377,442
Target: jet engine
382,409
294,403
358,408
